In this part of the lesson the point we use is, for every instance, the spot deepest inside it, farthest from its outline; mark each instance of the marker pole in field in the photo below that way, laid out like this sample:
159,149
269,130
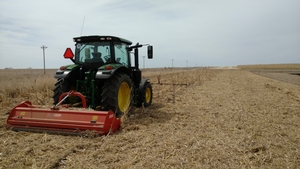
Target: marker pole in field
44,48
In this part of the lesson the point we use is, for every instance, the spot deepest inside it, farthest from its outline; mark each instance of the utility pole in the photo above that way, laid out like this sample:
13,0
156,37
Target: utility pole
187,65
172,63
144,62
44,48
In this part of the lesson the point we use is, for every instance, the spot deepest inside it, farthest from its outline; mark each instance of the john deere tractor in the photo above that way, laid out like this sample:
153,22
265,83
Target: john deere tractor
103,74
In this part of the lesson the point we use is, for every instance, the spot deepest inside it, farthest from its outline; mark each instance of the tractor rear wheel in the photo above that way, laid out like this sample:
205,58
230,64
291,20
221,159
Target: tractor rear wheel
61,86
116,94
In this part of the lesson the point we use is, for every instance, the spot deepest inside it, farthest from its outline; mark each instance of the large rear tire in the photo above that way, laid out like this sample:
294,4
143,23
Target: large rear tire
61,86
116,94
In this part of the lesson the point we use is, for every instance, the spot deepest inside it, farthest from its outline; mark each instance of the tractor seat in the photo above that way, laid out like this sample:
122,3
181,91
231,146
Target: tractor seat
96,54
96,58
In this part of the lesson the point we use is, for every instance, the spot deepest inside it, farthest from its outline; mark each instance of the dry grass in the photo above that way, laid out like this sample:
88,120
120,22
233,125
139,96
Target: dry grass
271,66
221,119
28,84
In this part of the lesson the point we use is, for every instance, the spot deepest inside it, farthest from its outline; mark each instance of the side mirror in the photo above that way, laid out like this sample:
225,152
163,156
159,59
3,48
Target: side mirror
150,52
68,54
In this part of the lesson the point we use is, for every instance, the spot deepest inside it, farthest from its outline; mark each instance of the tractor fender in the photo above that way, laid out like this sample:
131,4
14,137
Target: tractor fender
106,74
69,69
61,74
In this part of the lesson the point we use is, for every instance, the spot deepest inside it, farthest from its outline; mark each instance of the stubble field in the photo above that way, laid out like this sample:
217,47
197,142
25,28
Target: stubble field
221,118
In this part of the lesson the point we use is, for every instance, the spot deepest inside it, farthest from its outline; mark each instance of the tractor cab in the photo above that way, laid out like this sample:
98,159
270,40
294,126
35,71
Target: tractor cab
96,51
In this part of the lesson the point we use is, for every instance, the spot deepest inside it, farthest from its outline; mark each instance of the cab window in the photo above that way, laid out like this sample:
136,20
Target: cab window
121,53
93,52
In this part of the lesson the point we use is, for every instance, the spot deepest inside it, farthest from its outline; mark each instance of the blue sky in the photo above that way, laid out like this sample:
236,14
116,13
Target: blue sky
202,32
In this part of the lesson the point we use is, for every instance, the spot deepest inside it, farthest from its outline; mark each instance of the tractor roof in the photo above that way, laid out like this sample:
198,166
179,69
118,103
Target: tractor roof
101,38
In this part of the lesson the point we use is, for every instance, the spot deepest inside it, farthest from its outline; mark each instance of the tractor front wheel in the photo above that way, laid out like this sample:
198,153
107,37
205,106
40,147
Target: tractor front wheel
146,96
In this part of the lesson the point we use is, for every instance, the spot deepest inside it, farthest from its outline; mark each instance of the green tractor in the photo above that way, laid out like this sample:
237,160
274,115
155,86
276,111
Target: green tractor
103,75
